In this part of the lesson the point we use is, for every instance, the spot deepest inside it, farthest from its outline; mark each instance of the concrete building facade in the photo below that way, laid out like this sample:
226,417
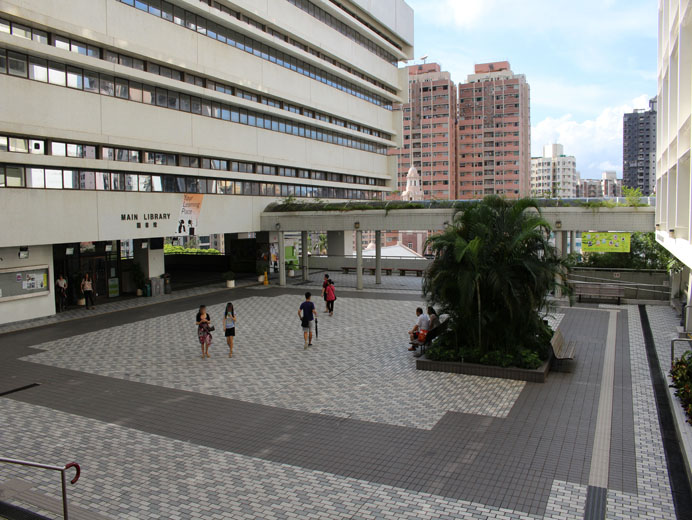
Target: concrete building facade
554,174
673,136
639,149
139,120
493,139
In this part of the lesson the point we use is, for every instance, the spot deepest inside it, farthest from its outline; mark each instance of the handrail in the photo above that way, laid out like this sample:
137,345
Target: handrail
54,468
672,348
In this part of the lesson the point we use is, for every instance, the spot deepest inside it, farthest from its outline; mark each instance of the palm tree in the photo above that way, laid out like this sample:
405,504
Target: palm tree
492,273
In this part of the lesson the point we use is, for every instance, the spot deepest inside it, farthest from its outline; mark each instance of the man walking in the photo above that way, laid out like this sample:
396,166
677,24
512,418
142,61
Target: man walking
307,319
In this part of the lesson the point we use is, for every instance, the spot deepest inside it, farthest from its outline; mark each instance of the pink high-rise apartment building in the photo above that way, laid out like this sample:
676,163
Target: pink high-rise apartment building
429,132
493,133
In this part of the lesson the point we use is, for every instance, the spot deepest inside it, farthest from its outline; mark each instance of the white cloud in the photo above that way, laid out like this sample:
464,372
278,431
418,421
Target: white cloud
596,143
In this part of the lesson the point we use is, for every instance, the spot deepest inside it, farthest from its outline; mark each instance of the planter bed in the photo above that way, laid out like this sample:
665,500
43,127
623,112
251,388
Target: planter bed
537,375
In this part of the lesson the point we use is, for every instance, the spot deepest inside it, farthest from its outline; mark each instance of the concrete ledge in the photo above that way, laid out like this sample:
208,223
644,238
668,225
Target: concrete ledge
537,375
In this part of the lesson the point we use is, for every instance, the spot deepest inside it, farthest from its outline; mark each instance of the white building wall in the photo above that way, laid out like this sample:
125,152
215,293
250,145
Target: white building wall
673,215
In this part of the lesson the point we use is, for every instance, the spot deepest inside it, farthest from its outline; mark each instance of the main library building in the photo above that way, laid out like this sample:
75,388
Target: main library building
125,122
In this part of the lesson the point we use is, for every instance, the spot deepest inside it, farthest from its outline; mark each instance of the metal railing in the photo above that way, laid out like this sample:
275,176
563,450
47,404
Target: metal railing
62,471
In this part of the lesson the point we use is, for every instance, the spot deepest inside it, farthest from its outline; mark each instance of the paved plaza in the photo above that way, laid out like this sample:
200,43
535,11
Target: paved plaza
345,429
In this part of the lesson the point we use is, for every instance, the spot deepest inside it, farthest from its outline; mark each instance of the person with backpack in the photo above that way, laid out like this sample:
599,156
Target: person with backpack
307,319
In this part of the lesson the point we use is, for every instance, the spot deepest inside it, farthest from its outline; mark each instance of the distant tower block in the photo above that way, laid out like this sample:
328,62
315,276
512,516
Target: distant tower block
414,190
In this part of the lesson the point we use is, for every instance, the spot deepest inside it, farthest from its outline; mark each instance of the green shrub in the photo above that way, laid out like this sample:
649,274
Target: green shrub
681,373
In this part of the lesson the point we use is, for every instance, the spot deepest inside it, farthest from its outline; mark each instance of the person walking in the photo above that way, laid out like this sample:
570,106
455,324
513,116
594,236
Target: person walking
325,284
87,287
229,318
331,297
61,284
204,329
307,319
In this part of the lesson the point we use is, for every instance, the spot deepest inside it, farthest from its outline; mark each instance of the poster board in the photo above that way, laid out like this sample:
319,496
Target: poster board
605,242
24,282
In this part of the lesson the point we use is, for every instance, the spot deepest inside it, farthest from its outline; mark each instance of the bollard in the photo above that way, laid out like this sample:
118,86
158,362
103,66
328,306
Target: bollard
266,278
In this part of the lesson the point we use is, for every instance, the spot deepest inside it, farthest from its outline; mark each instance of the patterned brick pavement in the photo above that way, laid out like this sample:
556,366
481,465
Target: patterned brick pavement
346,429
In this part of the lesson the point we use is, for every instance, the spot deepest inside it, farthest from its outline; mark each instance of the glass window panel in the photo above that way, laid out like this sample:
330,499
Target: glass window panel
178,15
195,105
110,56
122,155
14,176
17,64
74,150
121,88
135,91
103,181
130,181
61,43
173,100
125,61
91,81
190,22
144,182
93,52
70,179
74,78
21,30
166,12
34,178
38,69
107,153
4,26
3,62
156,184
184,102
117,181
201,25
206,108
87,180
107,85
3,143
148,94
155,7
137,64
161,97
17,144
54,179
141,5
79,48
134,155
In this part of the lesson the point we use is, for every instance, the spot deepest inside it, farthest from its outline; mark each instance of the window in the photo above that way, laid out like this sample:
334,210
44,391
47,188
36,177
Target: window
107,85
18,145
38,69
70,179
17,64
34,178
14,176
53,179
91,82
74,78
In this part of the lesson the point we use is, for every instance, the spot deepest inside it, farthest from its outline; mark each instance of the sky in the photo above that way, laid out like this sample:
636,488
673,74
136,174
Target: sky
587,63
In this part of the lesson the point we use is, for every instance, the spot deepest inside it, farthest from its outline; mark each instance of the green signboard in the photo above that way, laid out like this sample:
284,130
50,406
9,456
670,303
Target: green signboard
113,287
605,242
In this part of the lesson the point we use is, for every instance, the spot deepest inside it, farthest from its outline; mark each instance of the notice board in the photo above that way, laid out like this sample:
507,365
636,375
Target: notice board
24,282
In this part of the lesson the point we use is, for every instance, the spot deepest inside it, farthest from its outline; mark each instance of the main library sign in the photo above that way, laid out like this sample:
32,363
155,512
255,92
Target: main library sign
145,219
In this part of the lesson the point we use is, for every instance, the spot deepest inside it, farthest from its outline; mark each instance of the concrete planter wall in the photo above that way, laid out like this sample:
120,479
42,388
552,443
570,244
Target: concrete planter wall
537,375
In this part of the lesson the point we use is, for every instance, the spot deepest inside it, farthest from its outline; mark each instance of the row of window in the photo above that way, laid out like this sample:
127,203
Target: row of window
216,32
21,65
35,145
84,49
14,176
326,18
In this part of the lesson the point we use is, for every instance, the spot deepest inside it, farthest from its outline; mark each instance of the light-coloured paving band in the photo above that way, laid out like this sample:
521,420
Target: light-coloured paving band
600,456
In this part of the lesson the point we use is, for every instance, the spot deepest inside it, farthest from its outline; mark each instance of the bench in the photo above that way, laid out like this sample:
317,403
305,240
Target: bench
372,270
599,291
432,334
403,271
562,349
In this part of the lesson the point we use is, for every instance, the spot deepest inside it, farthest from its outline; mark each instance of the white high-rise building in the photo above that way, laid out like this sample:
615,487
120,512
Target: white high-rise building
130,121
673,136
554,174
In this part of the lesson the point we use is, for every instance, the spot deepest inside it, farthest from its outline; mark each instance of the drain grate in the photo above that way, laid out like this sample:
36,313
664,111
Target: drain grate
21,388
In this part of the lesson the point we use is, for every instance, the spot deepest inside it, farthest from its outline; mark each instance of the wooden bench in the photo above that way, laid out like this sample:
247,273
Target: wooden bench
372,270
599,291
430,336
403,271
562,349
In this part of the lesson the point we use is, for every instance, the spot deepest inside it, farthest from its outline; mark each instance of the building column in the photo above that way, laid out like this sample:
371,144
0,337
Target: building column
359,259
378,257
572,242
282,259
304,251
561,245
